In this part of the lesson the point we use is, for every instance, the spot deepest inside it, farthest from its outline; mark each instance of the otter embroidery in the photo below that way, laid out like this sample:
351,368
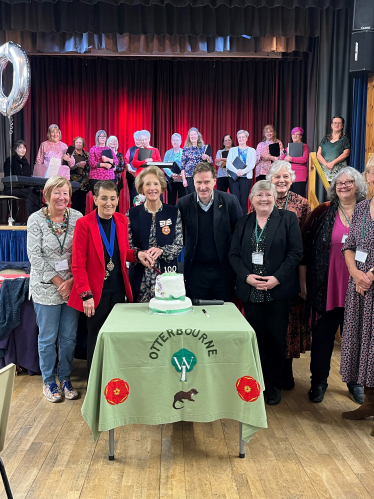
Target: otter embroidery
180,396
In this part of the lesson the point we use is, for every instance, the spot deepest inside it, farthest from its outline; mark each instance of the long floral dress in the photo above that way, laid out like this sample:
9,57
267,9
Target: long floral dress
357,354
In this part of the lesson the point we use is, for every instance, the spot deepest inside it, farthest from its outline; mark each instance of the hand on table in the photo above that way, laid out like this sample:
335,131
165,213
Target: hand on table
89,307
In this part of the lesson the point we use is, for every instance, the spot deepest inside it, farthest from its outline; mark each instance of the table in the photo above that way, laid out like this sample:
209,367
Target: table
13,243
157,369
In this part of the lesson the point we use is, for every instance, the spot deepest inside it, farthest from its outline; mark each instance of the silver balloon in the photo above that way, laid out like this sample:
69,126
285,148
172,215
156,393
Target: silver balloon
14,102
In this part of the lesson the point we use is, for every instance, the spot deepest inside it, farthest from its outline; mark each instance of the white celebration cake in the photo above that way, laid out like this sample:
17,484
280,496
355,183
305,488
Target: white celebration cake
170,295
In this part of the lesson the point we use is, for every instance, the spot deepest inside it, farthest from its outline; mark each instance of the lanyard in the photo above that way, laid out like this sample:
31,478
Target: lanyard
256,234
364,231
285,206
345,216
108,246
56,236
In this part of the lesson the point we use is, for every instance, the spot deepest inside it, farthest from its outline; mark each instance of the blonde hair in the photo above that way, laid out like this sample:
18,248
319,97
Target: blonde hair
200,141
50,128
274,136
369,165
150,170
53,183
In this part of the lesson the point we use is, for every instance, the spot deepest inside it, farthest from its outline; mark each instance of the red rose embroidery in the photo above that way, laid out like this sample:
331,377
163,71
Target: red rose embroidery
248,389
116,391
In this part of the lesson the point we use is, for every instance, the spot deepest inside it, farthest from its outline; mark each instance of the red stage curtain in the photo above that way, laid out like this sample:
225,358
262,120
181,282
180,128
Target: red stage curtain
83,95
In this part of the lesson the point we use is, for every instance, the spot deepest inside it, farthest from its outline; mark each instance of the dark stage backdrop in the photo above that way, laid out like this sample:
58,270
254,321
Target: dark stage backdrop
83,95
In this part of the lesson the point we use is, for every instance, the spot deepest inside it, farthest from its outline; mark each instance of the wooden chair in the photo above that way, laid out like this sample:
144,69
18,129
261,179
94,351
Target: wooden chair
6,390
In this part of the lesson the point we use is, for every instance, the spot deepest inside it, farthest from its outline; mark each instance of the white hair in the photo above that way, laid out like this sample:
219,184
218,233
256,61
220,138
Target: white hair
177,136
137,135
361,187
110,139
242,131
98,133
145,133
278,165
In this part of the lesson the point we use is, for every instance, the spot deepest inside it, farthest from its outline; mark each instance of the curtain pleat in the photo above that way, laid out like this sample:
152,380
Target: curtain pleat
359,123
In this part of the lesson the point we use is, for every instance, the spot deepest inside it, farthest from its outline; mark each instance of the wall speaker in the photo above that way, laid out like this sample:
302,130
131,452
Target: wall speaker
362,53
363,15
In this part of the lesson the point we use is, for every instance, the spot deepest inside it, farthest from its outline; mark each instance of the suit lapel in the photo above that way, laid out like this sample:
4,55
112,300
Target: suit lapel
217,211
246,248
121,235
194,215
273,222
96,236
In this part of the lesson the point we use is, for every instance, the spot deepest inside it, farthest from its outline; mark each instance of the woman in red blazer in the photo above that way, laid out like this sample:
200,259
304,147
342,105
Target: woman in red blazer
100,251
145,138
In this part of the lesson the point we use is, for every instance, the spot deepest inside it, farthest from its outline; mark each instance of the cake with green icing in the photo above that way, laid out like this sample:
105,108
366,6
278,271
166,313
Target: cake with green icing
170,296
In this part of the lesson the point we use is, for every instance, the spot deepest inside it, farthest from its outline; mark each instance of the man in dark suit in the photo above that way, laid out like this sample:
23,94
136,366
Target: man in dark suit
209,218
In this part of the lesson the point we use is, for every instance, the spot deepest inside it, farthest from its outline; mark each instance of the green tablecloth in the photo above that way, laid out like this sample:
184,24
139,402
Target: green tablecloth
140,359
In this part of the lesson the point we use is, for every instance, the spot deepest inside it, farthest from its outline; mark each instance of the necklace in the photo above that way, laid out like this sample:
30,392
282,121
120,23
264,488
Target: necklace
61,227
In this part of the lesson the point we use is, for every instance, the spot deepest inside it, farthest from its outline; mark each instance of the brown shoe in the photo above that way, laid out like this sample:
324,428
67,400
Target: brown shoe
366,409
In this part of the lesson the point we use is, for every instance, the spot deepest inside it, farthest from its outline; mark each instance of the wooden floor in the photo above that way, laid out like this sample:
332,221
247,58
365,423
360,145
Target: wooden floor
308,451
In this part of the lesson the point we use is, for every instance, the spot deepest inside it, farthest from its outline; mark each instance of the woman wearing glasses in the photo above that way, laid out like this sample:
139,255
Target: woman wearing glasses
324,234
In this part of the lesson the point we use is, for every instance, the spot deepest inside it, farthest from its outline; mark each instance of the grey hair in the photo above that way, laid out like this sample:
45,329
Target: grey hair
278,165
146,133
137,135
177,135
98,133
361,187
108,142
263,185
242,131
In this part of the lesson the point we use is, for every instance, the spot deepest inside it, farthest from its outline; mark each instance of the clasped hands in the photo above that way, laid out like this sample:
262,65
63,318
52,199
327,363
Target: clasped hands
263,283
106,162
363,281
65,288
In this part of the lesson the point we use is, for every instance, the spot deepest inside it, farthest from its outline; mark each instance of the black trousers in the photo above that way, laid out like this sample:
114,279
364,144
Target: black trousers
78,201
323,337
174,189
299,188
207,282
95,323
131,185
270,322
240,188
223,184
190,185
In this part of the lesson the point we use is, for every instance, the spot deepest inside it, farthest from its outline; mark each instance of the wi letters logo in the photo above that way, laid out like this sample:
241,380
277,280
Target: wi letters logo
183,361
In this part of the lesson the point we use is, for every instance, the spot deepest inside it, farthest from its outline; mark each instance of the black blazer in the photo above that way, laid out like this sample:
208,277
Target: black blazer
283,251
226,212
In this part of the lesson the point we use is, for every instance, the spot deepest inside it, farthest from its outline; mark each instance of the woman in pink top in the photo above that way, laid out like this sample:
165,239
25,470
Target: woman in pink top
299,164
324,233
101,167
53,148
263,157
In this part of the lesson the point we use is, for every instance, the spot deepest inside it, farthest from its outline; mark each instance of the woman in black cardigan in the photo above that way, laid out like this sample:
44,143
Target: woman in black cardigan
155,228
265,252
19,166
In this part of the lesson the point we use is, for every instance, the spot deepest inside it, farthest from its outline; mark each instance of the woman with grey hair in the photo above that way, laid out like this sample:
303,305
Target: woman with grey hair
175,155
241,186
101,167
282,177
325,233
265,252
112,142
145,138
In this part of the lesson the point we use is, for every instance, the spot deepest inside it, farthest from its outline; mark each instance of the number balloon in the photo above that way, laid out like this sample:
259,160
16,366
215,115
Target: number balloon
14,102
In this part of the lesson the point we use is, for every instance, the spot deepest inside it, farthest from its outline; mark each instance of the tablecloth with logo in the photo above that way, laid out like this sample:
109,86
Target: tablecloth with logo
156,369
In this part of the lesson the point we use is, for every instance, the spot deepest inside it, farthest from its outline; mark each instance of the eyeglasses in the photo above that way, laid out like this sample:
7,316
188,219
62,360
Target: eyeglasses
347,183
